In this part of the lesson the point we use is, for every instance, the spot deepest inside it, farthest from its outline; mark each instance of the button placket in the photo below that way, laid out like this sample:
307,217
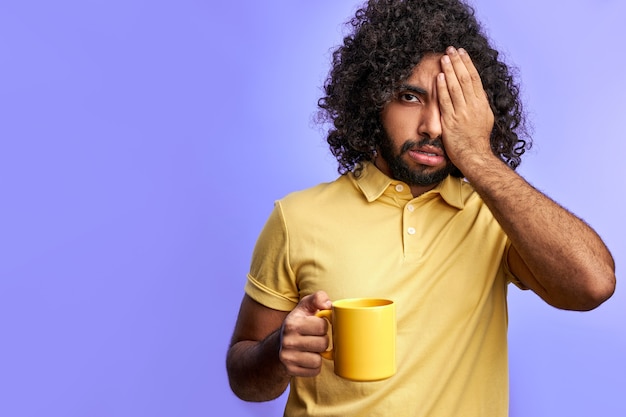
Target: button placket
410,231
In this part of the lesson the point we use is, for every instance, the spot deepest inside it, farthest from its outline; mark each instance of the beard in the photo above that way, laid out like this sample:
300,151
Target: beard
401,171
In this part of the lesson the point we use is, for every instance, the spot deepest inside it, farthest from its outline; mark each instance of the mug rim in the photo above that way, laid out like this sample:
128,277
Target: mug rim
368,303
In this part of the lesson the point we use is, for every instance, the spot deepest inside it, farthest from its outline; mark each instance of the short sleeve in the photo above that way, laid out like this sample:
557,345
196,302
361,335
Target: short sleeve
507,271
271,281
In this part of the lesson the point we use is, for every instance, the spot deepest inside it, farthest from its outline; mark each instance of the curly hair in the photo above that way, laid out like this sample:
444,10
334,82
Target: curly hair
389,38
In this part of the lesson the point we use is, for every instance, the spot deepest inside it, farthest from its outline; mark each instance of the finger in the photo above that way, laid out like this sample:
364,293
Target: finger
472,71
296,325
455,91
461,71
443,95
302,363
315,344
305,326
312,303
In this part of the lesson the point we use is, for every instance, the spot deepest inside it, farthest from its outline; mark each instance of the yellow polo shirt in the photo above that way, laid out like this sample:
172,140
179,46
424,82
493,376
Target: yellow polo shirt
440,257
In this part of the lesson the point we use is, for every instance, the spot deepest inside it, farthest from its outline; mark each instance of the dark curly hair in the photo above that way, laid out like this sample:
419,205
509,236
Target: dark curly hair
389,38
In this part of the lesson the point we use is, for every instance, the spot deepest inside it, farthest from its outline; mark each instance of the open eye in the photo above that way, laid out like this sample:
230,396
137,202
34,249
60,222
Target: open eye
409,98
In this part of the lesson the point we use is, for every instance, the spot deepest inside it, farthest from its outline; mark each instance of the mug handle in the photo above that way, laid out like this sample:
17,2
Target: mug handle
327,315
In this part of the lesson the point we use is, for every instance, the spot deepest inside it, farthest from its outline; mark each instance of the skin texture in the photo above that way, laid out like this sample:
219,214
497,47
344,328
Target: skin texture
553,252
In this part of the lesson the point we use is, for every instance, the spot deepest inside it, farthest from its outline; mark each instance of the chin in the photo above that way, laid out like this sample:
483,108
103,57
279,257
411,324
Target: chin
426,177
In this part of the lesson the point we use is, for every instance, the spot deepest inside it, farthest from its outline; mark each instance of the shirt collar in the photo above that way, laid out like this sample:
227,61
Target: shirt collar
373,184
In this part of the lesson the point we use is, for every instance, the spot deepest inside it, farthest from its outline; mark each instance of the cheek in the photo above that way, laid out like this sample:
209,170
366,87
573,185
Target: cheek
399,122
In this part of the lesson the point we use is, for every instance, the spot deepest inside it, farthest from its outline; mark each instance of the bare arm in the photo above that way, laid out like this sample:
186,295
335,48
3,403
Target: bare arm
268,347
554,253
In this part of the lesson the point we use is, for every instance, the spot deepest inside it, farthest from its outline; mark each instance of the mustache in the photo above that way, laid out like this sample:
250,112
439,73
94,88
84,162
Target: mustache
413,144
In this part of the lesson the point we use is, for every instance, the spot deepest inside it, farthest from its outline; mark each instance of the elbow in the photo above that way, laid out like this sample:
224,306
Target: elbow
604,285
595,293
601,282
601,291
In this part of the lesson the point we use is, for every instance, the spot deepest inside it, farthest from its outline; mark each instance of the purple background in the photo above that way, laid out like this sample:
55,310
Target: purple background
142,144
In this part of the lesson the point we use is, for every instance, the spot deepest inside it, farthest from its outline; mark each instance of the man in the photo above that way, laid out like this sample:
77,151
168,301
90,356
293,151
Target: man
428,129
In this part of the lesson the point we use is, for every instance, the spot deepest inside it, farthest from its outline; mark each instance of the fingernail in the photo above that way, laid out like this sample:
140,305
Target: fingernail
462,51
446,59
451,50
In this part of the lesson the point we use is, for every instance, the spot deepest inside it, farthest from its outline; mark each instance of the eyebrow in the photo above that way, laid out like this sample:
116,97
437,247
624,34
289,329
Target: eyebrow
413,89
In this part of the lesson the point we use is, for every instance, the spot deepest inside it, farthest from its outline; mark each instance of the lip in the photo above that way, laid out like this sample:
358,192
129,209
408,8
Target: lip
427,155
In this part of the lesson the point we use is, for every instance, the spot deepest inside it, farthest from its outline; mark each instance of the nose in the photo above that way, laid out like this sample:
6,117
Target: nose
430,121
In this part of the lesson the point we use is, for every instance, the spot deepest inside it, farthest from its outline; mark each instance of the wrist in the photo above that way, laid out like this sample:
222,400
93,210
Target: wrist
475,165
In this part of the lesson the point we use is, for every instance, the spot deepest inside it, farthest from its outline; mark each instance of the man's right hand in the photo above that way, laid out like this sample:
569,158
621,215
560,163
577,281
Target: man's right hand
304,336
270,346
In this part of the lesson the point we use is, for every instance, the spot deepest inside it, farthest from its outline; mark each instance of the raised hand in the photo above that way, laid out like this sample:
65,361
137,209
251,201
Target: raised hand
466,117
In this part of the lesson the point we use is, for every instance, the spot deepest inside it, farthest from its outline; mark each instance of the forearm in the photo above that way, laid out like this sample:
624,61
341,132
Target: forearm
570,263
553,252
254,370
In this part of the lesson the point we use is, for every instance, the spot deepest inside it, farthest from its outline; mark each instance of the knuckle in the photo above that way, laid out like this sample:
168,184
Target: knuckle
287,361
288,344
465,78
320,326
289,327
317,296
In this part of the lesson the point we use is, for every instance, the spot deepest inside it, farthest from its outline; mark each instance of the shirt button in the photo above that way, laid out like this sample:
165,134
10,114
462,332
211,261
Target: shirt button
411,230
399,188
410,207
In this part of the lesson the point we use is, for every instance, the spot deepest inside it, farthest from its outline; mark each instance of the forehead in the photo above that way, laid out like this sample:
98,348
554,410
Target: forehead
425,72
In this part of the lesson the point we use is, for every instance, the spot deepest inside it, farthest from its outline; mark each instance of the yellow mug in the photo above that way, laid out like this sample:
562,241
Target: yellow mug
363,344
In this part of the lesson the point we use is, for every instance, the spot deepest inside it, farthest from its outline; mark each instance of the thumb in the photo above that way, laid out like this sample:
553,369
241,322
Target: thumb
312,303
